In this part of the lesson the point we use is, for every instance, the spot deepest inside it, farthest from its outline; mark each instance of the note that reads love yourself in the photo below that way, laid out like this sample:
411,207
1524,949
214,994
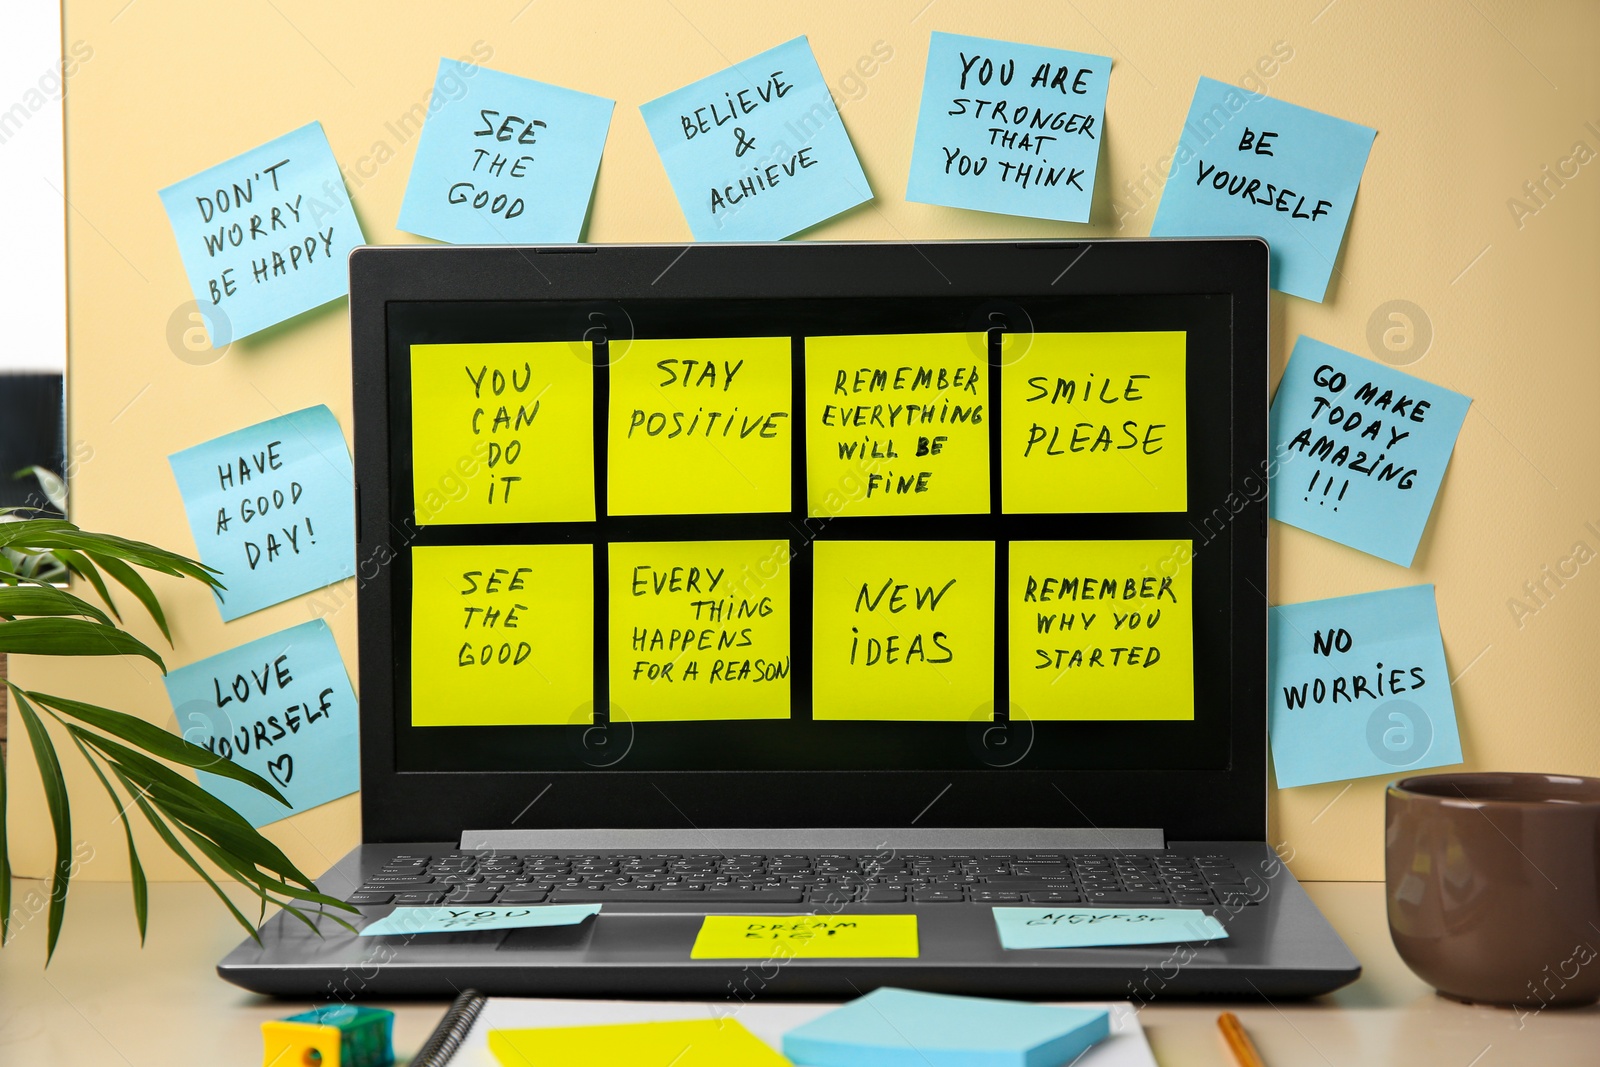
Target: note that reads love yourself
272,507
280,706
1359,449
265,235
757,152
1012,128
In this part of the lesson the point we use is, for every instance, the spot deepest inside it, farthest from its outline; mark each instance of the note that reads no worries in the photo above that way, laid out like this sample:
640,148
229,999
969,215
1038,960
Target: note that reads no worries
272,507
699,630
1012,128
280,706
1102,629
502,635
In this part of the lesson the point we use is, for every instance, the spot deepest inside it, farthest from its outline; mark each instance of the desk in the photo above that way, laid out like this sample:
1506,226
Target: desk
105,1002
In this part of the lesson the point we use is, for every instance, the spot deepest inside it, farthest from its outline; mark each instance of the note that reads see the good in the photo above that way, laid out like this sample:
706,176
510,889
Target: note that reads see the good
502,635
1006,127
896,424
700,426
903,630
503,159
1094,422
1359,686
280,706
757,152
265,235
272,507
699,630
1102,629
1359,449
782,937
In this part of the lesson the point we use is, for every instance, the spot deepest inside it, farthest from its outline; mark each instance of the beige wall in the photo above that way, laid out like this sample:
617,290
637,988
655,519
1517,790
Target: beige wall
1470,101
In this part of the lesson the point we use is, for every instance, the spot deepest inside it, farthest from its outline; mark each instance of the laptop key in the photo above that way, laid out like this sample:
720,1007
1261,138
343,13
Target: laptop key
375,886
521,896
1101,896
1181,897
1054,898
713,896
937,897
985,896
369,898
479,897
436,897
884,896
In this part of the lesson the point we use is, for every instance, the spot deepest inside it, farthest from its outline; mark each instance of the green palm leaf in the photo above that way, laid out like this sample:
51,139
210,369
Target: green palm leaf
46,600
141,888
72,637
55,794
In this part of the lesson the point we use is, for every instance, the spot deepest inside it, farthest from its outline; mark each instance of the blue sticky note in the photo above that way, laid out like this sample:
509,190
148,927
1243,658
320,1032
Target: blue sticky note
757,152
1011,128
404,922
503,159
281,706
899,1028
1248,165
1103,927
265,235
272,506
1359,449
1359,687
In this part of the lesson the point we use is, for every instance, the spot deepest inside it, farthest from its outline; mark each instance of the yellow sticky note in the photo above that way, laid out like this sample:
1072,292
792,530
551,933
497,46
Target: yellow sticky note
1102,629
897,424
903,630
700,426
502,432
1094,422
699,630
690,1043
764,937
502,635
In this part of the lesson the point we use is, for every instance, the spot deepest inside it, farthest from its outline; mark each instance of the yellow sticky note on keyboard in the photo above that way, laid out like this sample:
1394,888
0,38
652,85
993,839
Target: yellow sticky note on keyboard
692,1043
761,937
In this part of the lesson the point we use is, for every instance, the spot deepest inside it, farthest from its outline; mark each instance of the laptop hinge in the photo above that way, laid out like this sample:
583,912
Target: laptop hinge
848,839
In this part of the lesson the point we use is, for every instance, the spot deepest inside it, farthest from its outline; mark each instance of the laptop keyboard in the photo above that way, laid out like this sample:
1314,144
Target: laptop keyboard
816,879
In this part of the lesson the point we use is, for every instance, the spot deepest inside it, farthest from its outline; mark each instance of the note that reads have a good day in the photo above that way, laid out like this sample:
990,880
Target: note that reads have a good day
1006,127
272,507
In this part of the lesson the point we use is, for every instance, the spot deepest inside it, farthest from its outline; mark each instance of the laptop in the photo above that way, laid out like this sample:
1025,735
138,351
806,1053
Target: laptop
811,579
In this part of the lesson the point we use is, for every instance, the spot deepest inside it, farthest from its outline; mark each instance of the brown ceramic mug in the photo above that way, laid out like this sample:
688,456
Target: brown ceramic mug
1494,885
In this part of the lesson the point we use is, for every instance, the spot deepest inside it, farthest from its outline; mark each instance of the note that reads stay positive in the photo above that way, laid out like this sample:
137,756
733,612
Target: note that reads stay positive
699,630
280,706
903,630
265,235
700,426
502,432
1102,629
272,507
1006,127
1094,422
896,424
502,635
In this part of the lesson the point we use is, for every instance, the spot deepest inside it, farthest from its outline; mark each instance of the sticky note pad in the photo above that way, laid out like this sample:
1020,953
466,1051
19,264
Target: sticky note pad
896,424
271,506
765,937
1011,128
1251,166
404,922
700,426
903,630
1102,629
502,635
1359,686
265,235
757,152
502,432
699,630
280,706
900,1028
691,1043
1022,928
503,159
1094,422
1359,449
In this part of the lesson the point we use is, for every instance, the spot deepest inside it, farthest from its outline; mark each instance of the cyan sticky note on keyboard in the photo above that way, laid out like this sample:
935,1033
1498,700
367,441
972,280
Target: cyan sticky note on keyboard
448,920
1103,927
1359,449
900,1028
757,152
1359,686
503,159
265,235
1249,165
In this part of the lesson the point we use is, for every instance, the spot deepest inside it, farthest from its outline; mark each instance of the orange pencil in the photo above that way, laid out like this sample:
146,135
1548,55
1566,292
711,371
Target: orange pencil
1239,1043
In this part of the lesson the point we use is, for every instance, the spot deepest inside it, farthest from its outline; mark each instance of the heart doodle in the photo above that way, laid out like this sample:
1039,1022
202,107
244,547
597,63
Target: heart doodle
281,769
